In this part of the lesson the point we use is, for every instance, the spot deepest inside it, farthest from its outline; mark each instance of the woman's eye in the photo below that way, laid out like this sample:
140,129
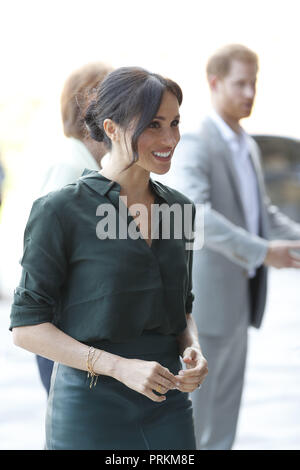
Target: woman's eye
157,125
154,125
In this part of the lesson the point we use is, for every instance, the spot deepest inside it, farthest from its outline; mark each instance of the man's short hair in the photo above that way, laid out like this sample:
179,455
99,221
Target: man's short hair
79,89
219,63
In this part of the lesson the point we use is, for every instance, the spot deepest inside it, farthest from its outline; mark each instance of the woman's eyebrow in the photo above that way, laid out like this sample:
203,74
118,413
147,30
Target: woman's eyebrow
162,118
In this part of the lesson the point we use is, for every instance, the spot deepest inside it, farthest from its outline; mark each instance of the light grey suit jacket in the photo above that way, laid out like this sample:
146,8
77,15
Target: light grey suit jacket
202,169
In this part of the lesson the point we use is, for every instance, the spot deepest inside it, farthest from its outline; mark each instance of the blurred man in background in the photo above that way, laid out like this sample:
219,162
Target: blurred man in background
80,151
219,167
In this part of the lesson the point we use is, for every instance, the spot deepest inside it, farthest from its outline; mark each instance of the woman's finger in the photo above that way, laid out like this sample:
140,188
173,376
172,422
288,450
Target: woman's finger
158,398
186,378
200,369
165,374
190,380
160,384
165,386
162,389
190,386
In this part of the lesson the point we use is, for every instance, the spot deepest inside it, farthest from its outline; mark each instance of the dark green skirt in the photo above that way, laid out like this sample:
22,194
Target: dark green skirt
111,415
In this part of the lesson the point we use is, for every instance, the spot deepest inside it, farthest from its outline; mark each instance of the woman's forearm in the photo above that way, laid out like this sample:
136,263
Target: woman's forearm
48,341
189,336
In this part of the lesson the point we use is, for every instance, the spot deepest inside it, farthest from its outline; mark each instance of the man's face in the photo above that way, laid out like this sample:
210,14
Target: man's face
234,94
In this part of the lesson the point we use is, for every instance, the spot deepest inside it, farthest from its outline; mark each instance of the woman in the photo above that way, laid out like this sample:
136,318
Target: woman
113,312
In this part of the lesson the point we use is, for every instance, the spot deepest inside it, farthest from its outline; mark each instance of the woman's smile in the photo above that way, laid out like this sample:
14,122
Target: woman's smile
163,156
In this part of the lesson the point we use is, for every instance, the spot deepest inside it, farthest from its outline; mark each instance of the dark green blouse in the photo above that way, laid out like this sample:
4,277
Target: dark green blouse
95,289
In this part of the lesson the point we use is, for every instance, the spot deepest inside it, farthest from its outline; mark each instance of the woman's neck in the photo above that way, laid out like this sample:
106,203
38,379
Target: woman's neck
134,181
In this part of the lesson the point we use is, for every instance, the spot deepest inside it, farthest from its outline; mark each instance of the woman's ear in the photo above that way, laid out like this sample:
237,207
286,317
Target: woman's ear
111,129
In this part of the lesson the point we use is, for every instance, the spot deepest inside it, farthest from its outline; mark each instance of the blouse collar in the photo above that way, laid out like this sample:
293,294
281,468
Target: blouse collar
103,185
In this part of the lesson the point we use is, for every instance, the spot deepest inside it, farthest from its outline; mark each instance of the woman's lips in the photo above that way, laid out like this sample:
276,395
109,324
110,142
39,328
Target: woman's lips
163,156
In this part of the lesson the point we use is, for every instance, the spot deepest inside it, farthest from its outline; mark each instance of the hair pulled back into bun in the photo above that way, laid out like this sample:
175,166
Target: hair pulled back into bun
127,95
95,132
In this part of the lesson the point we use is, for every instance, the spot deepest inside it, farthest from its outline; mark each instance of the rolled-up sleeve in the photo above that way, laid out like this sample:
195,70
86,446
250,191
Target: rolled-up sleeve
190,296
44,264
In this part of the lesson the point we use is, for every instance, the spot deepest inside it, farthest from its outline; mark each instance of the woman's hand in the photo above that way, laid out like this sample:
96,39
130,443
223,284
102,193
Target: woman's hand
196,370
144,377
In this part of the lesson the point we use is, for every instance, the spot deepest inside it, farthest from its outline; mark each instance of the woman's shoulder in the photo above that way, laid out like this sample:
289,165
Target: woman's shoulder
58,196
172,195
55,202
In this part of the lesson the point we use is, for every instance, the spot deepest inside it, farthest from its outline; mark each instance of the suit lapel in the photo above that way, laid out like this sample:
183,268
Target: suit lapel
221,147
260,184
256,166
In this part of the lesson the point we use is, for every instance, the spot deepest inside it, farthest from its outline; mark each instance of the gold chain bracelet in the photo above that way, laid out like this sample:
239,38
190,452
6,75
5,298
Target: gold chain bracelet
90,365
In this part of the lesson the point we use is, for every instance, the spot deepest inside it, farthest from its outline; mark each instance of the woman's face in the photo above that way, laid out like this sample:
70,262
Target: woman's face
157,142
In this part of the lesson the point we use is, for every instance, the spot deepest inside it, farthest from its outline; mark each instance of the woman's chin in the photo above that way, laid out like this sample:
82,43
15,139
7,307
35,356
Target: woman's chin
162,170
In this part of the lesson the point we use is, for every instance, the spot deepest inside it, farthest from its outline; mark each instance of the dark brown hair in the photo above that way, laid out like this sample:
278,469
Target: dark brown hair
126,95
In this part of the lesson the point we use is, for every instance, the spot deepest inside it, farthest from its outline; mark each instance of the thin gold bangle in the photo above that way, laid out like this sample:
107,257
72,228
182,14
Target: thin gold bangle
90,366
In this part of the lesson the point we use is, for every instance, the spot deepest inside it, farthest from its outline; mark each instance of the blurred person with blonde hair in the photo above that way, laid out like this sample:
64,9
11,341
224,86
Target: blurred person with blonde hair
219,167
80,152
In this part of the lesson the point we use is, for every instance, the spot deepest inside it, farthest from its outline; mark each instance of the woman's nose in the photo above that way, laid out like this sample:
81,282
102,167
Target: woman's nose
170,138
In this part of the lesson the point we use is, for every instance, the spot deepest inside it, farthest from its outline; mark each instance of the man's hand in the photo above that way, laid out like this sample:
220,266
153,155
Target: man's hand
281,255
